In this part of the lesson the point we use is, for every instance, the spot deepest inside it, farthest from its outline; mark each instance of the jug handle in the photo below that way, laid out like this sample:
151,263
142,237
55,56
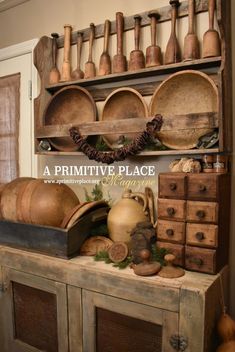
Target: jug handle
141,196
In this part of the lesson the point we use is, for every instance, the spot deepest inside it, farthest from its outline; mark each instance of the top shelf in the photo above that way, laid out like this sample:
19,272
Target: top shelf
208,65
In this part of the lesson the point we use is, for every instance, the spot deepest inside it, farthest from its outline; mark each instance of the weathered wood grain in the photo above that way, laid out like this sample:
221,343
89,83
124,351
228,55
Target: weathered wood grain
75,319
177,122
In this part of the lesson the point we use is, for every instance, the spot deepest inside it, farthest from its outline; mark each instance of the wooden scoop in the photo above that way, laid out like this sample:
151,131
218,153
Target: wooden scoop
119,60
66,66
172,54
105,61
137,59
153,52
78,73
211,39
90,70
191,43
54,75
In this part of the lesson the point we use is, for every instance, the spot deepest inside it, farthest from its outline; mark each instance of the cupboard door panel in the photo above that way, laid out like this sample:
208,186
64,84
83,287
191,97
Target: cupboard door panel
112,324
35,311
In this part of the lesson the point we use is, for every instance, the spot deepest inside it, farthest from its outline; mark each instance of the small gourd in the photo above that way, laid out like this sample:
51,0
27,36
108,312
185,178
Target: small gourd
227,347
226,330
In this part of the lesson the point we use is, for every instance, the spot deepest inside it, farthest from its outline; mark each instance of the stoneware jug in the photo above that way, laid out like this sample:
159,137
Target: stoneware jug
125,214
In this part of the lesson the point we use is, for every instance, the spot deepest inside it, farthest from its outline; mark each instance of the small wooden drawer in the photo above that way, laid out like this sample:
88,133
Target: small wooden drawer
202,187
171,231
171,209
200,259
202,211
202,235
172,185
176,249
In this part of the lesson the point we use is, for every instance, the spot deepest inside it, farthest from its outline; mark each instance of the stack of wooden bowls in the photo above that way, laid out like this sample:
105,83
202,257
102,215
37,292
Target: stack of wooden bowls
36,202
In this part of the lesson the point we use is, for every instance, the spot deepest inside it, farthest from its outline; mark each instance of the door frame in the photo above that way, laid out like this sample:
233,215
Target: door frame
13,51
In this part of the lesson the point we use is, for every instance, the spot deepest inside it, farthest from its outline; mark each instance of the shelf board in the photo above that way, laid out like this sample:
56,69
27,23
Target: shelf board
144,153
146,75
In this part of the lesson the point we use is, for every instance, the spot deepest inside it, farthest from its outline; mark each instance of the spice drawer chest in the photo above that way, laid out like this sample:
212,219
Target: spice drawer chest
82,305
193,219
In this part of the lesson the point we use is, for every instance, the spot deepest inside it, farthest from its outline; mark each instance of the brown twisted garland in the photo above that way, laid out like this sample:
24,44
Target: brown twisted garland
136,146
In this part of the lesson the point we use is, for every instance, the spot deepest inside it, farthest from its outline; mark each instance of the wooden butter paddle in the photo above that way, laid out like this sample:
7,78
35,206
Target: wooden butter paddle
191,43
153,52
78,73
172,54
137,59
105,61
66,66
90,70
119,60
211,39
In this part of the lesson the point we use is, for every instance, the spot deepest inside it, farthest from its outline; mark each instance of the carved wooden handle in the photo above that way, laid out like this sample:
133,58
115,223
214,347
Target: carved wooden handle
170,232
119,29
170,211
91,40
154,17
191,16
79,48
107,26
137,31
200,236
54,47
174,4
211,9
67,38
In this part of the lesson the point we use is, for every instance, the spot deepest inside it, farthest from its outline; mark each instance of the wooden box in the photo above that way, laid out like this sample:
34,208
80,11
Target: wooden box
54,241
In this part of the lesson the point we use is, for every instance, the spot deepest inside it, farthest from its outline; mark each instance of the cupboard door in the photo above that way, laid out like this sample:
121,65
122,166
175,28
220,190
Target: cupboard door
35,313
112,324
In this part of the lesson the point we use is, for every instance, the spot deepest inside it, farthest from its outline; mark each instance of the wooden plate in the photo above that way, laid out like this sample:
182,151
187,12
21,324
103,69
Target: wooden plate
123,103
70,105
183,93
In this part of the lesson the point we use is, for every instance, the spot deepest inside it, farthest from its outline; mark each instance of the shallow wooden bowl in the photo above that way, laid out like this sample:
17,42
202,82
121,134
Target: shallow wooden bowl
70,105
183,93
123,103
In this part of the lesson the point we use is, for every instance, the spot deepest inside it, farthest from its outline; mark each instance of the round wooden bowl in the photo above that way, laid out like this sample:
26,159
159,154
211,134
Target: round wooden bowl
123,103
70,105
184,92
45,203
82,210
9,197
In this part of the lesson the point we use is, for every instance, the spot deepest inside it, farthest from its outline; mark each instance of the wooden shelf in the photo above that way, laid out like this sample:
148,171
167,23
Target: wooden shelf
145,153
145,79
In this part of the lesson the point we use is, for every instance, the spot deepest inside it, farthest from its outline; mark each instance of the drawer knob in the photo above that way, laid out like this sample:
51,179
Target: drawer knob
170,211
200,214
173,186
170,232
202,188
200,236
197,261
